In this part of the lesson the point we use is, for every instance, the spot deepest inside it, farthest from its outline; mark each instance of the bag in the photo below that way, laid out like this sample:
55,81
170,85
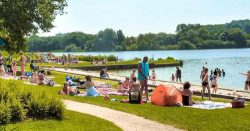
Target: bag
135,97
238,104
51,83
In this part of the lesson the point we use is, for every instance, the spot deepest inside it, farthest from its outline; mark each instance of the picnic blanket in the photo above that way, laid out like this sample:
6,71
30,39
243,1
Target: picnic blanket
209,105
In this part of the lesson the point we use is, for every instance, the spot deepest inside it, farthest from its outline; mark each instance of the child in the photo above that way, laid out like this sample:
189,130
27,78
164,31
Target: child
14,69
153,77
214,84
172,77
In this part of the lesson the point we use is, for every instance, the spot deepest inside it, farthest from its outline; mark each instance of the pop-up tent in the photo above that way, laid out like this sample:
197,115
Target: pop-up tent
165,95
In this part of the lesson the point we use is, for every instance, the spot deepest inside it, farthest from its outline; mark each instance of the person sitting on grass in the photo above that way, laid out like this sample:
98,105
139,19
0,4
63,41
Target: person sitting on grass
90,87
67,89
186,94
124,86
41,77
34,77
70,82
33,67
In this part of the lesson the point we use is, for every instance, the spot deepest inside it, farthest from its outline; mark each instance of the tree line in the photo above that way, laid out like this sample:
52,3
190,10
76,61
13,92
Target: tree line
235,34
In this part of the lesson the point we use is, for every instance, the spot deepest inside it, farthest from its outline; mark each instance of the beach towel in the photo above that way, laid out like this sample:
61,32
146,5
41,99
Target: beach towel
209,105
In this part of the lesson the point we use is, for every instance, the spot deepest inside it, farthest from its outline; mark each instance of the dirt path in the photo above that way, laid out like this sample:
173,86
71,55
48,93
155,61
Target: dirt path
125,121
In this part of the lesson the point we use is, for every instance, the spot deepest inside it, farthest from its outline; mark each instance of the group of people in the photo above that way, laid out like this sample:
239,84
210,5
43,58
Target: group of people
8,66
70,87
204,76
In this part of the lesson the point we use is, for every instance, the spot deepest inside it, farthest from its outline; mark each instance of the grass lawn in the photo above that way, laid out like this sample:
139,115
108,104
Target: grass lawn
73,121
181,117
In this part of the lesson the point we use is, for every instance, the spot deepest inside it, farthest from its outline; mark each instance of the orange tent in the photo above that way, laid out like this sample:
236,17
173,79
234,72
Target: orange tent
165,95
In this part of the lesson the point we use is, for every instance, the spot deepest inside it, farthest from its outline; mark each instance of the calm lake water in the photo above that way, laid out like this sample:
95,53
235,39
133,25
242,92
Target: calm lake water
233,61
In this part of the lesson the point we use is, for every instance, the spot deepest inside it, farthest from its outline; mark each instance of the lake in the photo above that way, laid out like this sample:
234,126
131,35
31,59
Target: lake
233,61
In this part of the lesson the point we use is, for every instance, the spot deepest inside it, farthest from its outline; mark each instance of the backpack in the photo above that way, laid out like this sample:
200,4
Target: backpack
135,97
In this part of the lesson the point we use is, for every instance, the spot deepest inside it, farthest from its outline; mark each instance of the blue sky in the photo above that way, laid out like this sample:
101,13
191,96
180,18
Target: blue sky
143,16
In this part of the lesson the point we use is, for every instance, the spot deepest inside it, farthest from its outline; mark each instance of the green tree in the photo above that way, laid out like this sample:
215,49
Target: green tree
106,40
71,48
186,45
20,18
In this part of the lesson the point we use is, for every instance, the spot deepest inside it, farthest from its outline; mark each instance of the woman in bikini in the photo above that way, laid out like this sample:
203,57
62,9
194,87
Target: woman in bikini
247,83
205,84
186,94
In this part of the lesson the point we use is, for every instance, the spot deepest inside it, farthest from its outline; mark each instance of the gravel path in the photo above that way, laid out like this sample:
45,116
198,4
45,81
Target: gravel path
125,121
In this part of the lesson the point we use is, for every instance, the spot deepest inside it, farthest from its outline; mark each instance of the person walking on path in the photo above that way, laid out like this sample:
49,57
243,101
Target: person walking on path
143,75
205,84
247,83
178,74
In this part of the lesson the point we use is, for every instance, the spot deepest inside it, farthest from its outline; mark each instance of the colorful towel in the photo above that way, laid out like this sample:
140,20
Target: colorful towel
209,105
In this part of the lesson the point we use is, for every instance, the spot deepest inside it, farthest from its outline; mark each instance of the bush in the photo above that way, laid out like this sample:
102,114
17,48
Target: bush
5,112
111,58
136,59
97,58
19,101
18,113
170,58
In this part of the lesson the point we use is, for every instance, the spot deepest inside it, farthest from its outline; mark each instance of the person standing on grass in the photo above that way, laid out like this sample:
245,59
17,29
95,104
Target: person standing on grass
13,66
143,75
178,74
247,83
23,62
205,84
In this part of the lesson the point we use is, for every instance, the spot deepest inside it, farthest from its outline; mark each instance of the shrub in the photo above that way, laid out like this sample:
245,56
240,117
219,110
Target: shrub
170,58
5,112
18,113
55,110
136,59
19,101
111,58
